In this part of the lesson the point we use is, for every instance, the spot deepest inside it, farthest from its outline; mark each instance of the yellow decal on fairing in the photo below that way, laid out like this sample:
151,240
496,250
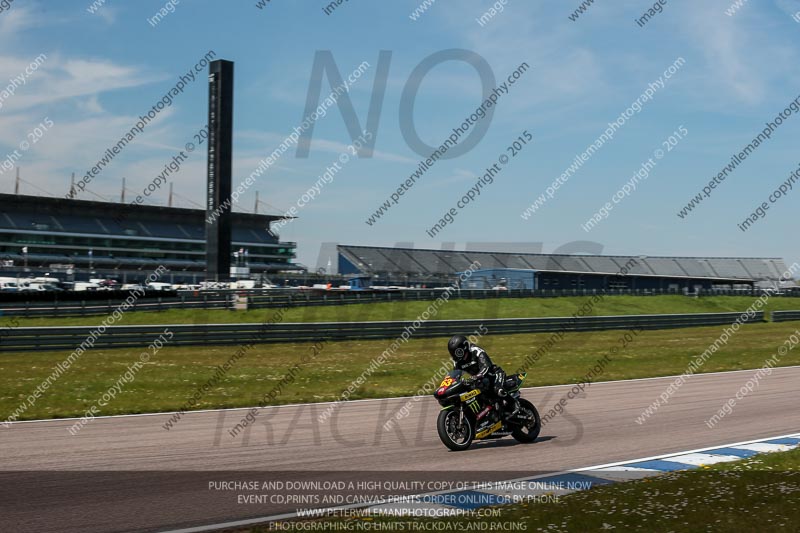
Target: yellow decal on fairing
489,430
467,395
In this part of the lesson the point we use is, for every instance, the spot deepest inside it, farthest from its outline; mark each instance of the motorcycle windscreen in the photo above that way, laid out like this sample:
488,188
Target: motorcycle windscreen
452,379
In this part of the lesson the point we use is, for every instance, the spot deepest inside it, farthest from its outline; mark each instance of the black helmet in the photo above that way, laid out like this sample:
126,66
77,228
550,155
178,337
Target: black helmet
458,347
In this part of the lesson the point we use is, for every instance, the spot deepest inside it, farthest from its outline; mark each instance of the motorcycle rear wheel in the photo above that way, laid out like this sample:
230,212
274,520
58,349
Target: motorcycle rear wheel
529,432
457,438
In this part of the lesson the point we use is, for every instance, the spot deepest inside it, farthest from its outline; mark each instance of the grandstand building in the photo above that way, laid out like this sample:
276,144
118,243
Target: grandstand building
108,239
559,271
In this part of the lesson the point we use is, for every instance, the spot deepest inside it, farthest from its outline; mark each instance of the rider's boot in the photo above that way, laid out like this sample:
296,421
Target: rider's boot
511,403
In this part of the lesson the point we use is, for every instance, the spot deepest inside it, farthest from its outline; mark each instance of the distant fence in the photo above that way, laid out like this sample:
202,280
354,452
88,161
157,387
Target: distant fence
53,338
101,303
93,307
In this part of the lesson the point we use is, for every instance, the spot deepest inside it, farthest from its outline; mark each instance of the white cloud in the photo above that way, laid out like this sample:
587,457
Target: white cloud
740,52
91,105
15,21
60,78
107,13
271,140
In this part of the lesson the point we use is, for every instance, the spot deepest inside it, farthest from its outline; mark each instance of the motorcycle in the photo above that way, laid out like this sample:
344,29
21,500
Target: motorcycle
469,414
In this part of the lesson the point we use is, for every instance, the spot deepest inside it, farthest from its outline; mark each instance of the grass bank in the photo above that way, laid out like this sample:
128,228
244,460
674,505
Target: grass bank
455,309
175,373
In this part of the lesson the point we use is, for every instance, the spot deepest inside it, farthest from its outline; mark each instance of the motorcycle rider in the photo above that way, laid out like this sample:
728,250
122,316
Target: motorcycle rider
488,377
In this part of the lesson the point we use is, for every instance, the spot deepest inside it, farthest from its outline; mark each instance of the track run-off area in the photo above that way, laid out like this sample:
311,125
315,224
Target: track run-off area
126,472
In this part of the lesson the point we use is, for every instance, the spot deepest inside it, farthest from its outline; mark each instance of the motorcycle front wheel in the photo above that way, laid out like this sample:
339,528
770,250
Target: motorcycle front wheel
455,434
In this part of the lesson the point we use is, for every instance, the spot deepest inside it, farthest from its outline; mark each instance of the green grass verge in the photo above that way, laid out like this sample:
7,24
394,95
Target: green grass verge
757,494
455,309
175,373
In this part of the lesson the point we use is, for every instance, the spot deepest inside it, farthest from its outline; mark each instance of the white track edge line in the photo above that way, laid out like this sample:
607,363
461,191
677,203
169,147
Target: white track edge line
320,512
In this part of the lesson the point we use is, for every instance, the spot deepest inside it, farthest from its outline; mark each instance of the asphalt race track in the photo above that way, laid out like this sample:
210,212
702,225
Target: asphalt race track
130,474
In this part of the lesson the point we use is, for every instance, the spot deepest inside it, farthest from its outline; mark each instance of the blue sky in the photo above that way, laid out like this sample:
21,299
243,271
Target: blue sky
104,69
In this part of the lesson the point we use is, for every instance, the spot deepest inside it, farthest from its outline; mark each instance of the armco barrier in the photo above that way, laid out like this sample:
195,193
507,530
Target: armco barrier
58,338
785,316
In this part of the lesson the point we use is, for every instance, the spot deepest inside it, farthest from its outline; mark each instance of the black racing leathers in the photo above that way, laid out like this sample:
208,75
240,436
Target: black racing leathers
489,377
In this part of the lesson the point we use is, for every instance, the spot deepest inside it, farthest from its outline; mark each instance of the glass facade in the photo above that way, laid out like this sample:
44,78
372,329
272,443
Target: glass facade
43,231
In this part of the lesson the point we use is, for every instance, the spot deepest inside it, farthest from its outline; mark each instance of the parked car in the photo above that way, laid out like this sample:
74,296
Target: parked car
85,286
8,285
159,286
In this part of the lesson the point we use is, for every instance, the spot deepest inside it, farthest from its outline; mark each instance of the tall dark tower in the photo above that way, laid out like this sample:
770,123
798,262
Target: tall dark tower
220,148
